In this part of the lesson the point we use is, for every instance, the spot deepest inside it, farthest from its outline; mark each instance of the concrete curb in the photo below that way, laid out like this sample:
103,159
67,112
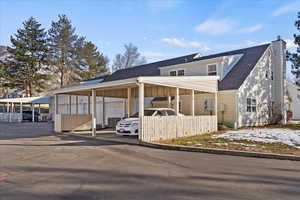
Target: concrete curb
220,151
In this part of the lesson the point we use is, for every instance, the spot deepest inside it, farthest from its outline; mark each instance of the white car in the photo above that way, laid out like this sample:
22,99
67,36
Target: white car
130,126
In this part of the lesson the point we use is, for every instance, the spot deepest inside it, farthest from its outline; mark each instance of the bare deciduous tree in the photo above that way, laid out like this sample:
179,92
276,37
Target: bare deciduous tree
130,58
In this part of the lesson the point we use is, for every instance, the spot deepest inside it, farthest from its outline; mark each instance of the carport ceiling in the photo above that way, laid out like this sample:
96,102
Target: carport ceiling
161,86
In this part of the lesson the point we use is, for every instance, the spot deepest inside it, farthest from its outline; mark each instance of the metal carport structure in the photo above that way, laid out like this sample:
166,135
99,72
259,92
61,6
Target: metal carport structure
9,105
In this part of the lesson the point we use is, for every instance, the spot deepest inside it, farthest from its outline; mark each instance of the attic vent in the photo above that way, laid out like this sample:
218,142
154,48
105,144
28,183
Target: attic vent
197,56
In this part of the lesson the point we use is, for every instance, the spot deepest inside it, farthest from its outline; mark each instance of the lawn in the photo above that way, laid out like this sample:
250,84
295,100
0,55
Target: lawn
209,140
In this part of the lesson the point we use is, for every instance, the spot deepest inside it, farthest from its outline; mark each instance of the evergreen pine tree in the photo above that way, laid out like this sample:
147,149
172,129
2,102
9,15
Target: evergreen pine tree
92,62
62,44
295,57
25,67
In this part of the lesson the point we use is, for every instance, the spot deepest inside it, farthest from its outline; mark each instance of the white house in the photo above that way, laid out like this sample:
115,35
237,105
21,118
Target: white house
250,89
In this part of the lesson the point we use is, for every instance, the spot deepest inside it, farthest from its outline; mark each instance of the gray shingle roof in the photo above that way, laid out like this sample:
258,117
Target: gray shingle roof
233,79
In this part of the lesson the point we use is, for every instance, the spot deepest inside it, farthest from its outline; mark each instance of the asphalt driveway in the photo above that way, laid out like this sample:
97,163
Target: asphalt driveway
37,164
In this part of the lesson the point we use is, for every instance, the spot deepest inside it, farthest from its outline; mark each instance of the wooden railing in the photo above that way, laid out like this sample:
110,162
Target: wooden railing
161,128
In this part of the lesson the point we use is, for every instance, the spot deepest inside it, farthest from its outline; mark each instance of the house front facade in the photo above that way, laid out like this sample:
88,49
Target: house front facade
251,86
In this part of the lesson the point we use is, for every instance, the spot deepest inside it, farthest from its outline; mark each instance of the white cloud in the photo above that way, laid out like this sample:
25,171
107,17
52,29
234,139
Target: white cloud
216,26
252,29
291,7
290,44
184,43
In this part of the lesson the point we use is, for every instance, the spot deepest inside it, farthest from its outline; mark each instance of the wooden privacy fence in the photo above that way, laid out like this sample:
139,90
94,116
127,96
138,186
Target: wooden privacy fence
72,122
161,128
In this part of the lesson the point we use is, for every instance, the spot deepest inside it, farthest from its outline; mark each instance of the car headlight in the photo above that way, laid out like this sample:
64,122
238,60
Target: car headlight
135,124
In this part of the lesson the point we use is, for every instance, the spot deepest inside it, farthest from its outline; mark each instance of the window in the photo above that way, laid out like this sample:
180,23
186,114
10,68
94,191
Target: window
208,105
173,73
251,105
272,76
212,70
180,72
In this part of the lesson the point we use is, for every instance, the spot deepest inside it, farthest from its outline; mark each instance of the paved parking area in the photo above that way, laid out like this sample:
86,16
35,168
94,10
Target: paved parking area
37,164
109,135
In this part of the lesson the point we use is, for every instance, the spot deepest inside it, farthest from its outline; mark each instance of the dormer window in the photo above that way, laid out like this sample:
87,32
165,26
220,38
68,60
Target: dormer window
179,72
173,73
212,69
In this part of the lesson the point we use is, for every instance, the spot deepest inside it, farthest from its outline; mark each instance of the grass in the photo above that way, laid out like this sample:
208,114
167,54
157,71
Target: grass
207,141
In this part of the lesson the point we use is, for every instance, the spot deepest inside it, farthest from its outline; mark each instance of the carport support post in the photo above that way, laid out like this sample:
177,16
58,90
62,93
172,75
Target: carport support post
193,103
94,112
103,111
10,111
21,110
76,105
32,108
169,102
55,105
177,101
128,102
70,104
216,108
141,108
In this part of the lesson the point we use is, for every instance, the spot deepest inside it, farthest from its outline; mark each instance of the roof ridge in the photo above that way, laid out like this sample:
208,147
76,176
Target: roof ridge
210,55
157,62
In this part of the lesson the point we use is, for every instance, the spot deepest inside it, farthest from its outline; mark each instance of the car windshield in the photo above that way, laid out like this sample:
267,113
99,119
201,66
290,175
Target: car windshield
146,113
170,112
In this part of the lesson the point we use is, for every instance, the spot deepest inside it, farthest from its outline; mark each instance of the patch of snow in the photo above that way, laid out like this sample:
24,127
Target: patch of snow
285,136
242,144
220,144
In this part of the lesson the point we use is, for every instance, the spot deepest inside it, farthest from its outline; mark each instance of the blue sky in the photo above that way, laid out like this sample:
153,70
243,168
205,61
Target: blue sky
161,28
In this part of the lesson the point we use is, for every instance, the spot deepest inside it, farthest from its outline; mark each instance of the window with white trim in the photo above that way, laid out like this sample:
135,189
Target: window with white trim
179,72
173,73
251,105
212,69
272,75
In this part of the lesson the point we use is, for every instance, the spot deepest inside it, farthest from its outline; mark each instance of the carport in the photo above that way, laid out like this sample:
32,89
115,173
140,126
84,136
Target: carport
151,128
11,109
